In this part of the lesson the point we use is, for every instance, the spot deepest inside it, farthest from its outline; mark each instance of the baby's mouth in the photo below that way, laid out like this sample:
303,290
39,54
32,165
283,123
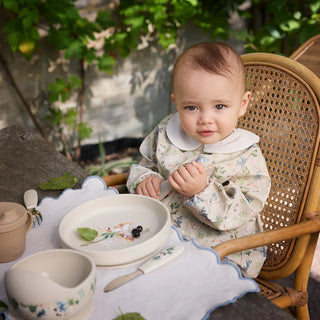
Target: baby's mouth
206,133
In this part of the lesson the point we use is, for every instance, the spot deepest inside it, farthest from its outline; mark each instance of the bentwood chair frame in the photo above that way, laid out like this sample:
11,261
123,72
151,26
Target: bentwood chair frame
308,54
284,111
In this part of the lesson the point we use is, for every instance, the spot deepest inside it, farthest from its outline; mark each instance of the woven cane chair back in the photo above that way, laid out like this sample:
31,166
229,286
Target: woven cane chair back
284,112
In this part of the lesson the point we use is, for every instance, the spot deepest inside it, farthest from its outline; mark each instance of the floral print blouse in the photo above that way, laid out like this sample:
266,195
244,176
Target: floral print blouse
228,207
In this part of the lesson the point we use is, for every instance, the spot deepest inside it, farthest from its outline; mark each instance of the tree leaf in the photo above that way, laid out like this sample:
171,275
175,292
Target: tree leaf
84,130
62,182
106,64
14,40
135,22
315,6
60,38
75,48
104,19
57,89
290,25
75,82
34,34
87,233
70,117
55,117
11,5
297,15
27,47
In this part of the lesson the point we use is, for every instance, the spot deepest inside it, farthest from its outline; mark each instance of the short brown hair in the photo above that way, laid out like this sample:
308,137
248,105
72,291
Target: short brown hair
214,57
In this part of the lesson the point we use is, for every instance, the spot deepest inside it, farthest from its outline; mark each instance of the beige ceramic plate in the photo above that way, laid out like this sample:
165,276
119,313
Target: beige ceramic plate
114,217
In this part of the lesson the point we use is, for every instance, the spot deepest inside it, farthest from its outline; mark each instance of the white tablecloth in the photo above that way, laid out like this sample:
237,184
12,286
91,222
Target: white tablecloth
188,288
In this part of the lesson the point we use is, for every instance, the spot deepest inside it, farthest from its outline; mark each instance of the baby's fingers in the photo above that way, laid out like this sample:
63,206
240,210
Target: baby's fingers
149,187
199,166
173,183
176,178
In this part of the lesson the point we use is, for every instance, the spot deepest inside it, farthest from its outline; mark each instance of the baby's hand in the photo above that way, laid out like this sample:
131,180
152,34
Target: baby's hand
189,179
150,187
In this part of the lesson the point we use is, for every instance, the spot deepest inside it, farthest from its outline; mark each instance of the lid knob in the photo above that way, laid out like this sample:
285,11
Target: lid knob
9,216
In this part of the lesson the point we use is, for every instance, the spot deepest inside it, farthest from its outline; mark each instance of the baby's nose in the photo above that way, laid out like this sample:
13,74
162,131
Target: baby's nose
206,117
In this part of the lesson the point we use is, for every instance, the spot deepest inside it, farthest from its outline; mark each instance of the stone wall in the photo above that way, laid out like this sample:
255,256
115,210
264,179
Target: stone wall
128,103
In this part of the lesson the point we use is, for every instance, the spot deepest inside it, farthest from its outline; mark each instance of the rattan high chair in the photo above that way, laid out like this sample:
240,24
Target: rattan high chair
284,111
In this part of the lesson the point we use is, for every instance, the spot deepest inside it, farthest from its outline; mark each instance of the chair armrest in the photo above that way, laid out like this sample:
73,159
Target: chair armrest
268,237
115,179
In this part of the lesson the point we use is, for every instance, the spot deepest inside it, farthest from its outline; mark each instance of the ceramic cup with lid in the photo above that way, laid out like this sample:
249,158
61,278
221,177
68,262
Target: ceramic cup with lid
15,223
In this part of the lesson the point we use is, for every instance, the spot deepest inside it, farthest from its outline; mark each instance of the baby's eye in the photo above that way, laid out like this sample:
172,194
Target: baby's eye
191,108
220,106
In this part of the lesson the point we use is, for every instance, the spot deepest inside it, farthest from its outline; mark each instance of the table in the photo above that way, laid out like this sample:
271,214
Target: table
26,161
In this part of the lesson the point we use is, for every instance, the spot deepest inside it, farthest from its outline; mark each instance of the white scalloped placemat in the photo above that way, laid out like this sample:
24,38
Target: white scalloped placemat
189,287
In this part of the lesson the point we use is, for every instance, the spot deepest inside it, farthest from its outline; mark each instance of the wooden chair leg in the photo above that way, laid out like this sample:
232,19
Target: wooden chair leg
302,277
302,313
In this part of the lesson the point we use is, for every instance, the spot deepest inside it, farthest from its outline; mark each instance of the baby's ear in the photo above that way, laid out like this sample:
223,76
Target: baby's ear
244,103
172,98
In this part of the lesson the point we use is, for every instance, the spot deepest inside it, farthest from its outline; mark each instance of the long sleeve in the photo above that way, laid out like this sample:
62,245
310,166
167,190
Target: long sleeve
148,165
227,208
230,204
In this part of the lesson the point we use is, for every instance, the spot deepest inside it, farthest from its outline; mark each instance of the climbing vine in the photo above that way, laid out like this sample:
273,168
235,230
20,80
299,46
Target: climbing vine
275,26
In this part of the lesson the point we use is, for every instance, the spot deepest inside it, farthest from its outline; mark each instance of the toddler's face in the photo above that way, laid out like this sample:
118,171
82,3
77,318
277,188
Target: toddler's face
208,105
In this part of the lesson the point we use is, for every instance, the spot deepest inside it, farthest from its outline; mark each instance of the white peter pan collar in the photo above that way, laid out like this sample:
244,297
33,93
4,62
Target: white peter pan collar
238,140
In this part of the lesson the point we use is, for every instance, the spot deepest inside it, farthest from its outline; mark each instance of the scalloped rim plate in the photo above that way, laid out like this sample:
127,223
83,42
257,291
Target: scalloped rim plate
114,217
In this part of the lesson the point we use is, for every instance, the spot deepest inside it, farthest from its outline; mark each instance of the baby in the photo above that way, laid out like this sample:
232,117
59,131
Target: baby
211,175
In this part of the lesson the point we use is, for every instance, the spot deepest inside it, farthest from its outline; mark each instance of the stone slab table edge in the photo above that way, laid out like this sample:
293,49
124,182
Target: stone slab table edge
26,160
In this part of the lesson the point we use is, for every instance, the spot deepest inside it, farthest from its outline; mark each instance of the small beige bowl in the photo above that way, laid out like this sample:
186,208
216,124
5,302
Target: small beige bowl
52,284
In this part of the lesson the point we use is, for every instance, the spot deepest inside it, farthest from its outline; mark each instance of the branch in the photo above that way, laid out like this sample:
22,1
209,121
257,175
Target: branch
80,107
24,101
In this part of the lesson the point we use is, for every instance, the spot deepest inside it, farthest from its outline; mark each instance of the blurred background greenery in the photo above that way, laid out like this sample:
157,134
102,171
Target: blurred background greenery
118,27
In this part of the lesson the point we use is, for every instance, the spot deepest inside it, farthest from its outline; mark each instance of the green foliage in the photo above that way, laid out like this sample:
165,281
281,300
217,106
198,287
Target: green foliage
22,33
104,20
281,21
66,180
164,18
106,64
277,26
84,130
285,25
61,89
